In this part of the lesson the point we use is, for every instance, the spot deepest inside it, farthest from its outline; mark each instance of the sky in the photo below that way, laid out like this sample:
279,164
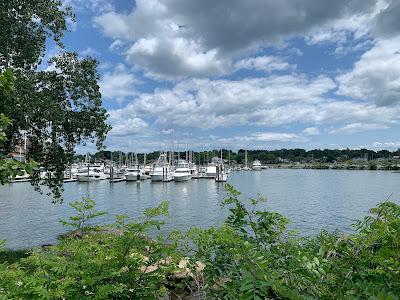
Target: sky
255,74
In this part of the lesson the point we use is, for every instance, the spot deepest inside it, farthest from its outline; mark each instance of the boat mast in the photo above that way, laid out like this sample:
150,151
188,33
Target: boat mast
245,158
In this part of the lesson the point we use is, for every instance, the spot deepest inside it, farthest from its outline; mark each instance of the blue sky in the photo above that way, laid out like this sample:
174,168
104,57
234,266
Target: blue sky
244,74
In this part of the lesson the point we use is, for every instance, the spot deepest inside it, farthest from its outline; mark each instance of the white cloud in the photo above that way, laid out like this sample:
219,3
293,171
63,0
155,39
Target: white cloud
271,101
357,25
174,58
376,76
116,45
118,84
311,131
263,63
90,52
275,136
386,145
357,127
94,5
131,126
178,38
258,140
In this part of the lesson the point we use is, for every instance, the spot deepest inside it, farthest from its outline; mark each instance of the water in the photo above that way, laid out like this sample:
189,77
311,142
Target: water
312,199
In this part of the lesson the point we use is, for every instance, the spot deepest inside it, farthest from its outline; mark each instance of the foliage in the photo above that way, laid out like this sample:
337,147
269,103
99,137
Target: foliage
251,256
57,108
7,81
116,262
9,168
85,212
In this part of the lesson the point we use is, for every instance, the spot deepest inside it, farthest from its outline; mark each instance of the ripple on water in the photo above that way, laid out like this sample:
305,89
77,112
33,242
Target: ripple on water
312,199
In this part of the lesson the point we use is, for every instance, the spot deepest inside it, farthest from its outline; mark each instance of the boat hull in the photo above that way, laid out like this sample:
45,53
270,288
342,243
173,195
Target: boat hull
161,177
85,178
135,177
182,178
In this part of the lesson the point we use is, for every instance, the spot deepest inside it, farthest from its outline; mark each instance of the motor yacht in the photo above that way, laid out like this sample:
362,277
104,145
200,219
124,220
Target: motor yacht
182,171
162,170
135,173
256,165
90,174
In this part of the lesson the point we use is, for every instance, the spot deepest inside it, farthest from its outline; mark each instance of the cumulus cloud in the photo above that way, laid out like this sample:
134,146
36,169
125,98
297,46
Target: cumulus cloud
118,84
271,101
174,58
124,125
131,126
357,25
376,76
195,44
175,38
387,22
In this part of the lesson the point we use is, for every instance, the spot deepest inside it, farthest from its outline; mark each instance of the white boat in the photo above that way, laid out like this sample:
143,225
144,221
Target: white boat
162,171
90,174
148,169
211,170
256,165
117,174
221,177
182,171
135,173
21,178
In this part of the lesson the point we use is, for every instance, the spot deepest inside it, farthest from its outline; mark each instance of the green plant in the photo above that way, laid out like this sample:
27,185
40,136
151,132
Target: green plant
252,257
85,212
117,261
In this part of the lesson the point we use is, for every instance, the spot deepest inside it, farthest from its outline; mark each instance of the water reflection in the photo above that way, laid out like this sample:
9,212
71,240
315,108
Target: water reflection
312,199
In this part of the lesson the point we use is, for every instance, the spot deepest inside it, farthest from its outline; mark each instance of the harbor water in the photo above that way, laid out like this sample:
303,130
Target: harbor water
312,199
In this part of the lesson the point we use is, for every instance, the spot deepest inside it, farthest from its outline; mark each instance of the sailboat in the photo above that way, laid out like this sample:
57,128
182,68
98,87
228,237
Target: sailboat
246,166
222,175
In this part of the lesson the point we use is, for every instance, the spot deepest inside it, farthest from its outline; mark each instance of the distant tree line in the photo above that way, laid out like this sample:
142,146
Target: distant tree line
265,156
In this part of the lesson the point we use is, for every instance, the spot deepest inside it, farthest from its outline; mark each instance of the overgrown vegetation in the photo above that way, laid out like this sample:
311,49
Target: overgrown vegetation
251,256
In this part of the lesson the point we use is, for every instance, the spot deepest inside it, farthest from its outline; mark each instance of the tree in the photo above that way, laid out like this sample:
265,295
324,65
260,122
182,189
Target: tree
9,168
57,109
